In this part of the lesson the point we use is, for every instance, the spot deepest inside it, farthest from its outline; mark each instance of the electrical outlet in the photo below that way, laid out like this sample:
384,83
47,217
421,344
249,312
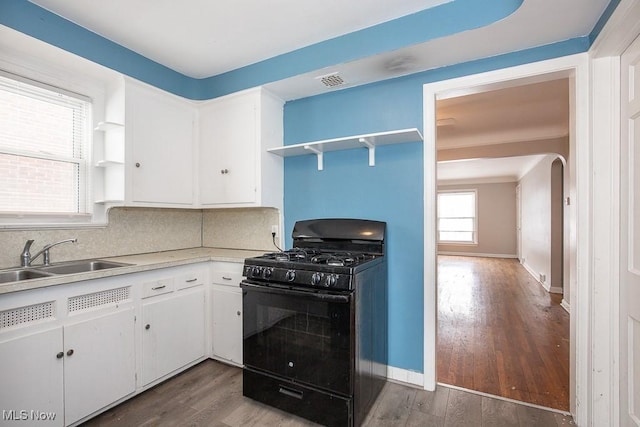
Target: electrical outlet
274,229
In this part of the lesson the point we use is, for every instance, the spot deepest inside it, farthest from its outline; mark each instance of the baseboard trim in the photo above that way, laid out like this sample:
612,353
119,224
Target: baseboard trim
532,273
564,304
405,376
477,254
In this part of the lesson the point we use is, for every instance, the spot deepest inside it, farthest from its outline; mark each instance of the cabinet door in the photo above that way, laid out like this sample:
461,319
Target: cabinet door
227,323
172,334
160,131
32,379
228,134
99,363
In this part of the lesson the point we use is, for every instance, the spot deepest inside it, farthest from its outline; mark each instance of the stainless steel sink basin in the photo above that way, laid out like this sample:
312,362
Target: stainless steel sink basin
21,274
81,266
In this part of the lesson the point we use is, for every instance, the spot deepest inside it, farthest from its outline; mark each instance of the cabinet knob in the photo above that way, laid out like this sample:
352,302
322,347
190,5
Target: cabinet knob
238,313
147,326
224,171
137,164
70,352
60,355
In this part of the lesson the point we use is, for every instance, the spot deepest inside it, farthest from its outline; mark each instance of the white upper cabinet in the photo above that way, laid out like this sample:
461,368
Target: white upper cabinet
235,169
159,147
228,131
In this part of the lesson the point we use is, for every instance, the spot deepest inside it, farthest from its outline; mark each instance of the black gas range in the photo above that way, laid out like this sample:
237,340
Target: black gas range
315,321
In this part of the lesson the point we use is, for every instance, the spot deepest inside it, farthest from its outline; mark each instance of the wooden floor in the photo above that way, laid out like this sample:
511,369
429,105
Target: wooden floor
500,332
210,394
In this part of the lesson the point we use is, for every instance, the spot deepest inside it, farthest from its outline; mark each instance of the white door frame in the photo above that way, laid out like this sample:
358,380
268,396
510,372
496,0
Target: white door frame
576,68
621,29
518,222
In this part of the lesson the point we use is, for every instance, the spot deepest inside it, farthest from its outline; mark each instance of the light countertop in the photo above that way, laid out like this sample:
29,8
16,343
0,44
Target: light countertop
140,262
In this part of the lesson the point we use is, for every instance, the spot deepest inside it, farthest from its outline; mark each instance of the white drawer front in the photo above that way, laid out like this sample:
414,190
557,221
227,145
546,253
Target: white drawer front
157,287
190,280
229,278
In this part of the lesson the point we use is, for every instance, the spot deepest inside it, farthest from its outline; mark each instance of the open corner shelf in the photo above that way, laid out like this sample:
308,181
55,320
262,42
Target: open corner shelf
107,163
109,201
107,126
369,141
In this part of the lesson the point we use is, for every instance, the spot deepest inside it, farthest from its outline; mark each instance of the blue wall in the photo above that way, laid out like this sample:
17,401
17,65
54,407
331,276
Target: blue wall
348,187
392,190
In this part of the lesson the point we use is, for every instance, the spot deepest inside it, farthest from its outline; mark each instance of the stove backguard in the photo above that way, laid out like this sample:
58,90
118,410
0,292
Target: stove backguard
340,234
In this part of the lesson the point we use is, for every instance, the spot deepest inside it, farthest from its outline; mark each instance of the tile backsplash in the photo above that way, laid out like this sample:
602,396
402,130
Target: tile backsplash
242,228
142,230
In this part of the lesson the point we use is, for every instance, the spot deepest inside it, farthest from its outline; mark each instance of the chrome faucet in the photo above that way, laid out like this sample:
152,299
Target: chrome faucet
26,259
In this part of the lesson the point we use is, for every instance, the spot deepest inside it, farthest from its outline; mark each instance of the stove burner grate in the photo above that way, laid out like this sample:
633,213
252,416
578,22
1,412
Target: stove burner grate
295,254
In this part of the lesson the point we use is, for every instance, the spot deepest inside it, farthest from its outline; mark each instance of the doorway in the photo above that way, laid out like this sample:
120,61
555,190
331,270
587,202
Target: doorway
502,328
574,68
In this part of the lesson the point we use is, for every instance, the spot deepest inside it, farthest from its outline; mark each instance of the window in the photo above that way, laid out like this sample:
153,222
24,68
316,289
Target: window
457,222
44,140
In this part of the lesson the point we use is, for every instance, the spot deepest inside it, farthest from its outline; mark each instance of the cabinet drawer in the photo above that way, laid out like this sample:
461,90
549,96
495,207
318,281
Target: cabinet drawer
190,280
157,287
226,273
229,278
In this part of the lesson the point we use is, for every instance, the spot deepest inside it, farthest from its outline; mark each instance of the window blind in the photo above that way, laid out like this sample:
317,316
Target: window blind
44,133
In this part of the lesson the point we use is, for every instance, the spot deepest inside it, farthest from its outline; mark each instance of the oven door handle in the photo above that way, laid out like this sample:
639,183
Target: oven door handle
292,292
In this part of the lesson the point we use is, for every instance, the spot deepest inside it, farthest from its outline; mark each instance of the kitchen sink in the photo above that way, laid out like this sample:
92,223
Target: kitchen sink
22,274
85,266
81,266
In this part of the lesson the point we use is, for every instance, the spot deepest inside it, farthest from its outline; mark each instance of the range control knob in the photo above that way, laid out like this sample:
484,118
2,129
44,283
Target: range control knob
290,275
257,272
316,278
331,280
268,272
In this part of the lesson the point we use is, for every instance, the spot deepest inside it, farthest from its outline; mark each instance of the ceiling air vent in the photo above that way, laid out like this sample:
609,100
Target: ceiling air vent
331,80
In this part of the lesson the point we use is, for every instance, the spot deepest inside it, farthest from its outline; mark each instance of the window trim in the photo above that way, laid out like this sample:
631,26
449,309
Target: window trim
475,218
87,218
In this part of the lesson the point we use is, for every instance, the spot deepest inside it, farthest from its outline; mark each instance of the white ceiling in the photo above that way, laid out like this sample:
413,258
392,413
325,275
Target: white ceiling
523,113
203,38
519,114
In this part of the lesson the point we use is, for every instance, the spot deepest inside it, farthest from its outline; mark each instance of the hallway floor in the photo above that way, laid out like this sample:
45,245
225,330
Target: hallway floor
500,332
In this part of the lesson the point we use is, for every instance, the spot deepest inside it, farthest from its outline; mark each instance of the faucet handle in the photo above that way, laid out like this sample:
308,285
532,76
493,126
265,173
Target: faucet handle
25,256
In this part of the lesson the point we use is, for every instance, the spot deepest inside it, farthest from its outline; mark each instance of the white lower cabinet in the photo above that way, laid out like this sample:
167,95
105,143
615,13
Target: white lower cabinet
60,375
69,351
227,323
173,332
32,378
99,363
226,312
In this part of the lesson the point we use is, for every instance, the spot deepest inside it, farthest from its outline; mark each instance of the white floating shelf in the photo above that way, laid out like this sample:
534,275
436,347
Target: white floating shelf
369,141
105,126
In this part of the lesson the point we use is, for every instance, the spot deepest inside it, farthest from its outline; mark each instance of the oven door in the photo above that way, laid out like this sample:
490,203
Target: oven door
302,336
